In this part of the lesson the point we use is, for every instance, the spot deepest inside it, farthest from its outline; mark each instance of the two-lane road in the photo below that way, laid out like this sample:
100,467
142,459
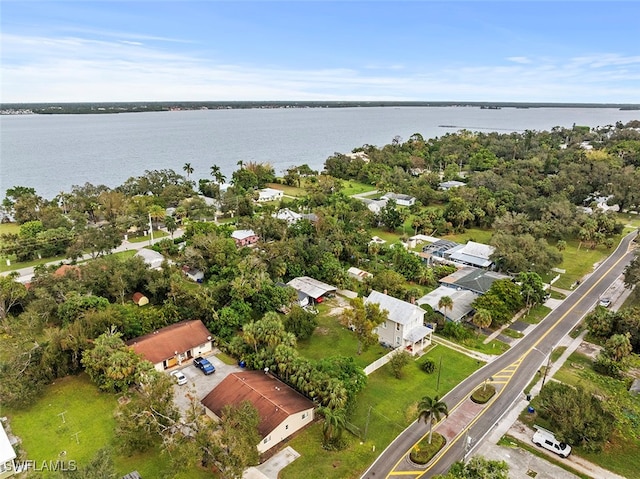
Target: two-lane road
511,373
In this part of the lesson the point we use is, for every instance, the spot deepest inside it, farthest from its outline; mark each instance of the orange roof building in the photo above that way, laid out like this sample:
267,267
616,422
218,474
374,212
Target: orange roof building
282,410
171,346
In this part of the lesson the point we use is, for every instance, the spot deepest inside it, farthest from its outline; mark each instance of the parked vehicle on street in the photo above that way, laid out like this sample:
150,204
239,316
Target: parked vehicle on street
547,440
180,378
204,365
605,302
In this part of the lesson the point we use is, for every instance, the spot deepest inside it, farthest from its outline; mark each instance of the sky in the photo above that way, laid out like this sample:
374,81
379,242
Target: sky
508,51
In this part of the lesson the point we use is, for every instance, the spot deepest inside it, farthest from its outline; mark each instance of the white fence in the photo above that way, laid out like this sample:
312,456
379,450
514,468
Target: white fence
378,363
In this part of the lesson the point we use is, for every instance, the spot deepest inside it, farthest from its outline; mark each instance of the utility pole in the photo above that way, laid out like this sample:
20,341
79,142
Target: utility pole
150,231
546,370
439,369
366,426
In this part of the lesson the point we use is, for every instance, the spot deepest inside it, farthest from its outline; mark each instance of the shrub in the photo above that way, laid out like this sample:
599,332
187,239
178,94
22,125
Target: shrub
429,366
483,394
456,331
423,452
607,366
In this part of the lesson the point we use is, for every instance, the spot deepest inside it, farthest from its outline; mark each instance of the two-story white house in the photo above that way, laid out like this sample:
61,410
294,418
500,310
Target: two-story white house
405,327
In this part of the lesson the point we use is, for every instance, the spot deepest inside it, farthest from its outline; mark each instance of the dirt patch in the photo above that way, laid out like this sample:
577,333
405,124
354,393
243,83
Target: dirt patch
337,311
589,349
321,331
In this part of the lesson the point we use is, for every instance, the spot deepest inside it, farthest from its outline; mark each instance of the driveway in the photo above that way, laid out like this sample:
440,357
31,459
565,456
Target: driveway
198,384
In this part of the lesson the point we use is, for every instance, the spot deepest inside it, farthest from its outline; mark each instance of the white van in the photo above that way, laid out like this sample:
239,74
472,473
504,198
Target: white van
546,439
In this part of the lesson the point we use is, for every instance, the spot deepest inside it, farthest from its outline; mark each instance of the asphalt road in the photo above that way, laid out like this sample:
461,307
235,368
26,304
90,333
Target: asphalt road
468,424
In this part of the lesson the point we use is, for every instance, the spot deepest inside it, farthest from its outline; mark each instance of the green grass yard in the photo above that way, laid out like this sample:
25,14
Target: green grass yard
88,412
390,406
354,188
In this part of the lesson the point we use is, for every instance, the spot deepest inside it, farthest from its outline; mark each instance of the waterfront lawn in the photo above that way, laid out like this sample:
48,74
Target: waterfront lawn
88,412
389,405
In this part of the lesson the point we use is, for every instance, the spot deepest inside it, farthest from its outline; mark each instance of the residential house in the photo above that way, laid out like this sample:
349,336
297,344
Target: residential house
287,215
153,259
358,274
244,237
174,344
193,274
312,289
472,254
447,185
462,302
405,327
400,199
269,194
7,455
472,279
282,410
375,206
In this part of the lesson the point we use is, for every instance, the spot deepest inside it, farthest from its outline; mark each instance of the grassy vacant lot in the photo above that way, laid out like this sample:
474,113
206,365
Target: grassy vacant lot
333,339
390,406
472,234
620,454
89,412
289,190
352,187
579,262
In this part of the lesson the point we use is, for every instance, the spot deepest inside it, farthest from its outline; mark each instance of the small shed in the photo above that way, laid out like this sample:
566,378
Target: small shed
140,299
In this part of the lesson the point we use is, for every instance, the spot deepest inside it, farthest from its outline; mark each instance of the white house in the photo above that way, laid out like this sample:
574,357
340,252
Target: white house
7,455
401,200
269,194
472,254
170,346
282,410
405,327
287,215
152,258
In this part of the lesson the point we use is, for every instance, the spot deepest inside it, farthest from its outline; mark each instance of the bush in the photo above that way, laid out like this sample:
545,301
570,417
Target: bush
483,394
429,366
456,331
423,452
398,361
607,366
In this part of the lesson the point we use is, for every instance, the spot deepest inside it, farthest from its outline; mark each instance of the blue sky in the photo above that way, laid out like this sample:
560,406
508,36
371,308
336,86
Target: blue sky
543,51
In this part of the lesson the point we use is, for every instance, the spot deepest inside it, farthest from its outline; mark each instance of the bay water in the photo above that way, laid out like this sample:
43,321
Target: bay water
51,153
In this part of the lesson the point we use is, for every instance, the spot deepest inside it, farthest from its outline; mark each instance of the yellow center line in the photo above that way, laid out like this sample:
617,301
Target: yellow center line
517,363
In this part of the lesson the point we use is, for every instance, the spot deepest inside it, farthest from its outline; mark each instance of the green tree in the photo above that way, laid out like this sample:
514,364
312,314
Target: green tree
445,303
188,169
363,319
398,361
618,347
12,293
217,174
300,322
481,319
390,216
531,287
430,410
478,467
100,467
236,443
334,423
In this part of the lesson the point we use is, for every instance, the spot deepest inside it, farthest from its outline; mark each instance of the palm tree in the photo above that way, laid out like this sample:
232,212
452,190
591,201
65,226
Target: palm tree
188,169
430,409
482,319
334,422
240,163
445,303
217,174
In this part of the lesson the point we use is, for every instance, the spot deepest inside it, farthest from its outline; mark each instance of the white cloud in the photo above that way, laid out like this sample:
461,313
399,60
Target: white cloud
521,60
41,69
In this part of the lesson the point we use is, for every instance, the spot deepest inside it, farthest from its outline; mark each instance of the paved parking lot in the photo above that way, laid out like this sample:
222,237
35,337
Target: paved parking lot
198,383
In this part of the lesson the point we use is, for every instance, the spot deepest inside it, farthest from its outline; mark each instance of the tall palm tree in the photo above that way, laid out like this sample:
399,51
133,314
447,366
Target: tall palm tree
217,174
482,319
188,169
334,422
430,409
445,303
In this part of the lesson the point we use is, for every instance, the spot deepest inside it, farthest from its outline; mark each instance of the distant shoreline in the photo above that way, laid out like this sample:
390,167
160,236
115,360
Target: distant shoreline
98,108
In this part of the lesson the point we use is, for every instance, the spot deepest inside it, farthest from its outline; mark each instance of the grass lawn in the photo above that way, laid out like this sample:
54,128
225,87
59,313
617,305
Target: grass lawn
472,234
15,265
579,262
352,187
289,190
536,314
333,339
389,236
86,411
392,404
9,228
140,239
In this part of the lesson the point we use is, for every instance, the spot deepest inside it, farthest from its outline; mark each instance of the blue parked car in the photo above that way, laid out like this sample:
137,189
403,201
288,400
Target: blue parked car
204,365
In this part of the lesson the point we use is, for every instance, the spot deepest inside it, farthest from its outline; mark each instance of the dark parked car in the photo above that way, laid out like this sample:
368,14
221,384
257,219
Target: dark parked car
204,365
